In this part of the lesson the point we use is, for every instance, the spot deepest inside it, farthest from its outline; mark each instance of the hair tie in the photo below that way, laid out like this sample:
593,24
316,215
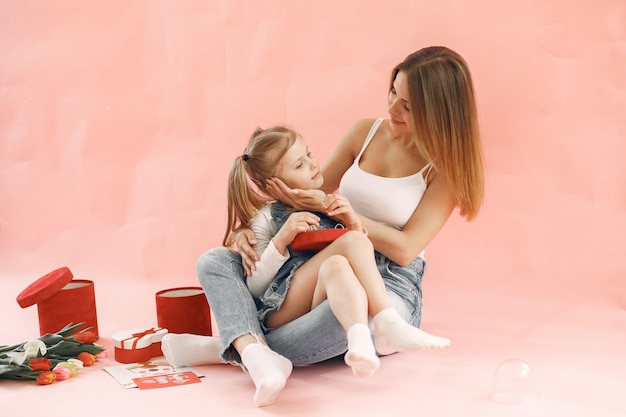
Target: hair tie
245,157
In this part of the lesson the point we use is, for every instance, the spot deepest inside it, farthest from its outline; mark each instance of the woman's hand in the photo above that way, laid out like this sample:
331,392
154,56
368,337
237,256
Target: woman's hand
298,222
339,207
244,242
301,199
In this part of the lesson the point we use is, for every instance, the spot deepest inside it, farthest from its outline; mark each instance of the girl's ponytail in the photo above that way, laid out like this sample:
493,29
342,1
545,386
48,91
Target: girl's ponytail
243,201
249,173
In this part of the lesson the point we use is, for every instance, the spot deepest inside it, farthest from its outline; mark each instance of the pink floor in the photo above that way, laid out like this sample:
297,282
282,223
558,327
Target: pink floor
119,120
575,347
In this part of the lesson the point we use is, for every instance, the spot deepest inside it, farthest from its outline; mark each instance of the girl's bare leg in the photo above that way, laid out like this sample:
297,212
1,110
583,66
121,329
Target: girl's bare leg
392,333
348,301
333,279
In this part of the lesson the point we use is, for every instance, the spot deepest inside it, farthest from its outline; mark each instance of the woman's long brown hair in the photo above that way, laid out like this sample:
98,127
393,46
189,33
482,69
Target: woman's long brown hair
443,104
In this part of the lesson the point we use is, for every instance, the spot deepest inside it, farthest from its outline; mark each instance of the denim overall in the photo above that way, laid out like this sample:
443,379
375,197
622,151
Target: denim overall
274,295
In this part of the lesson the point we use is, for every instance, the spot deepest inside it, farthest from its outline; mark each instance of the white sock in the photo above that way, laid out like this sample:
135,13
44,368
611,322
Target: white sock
191,349
269,372
361,355
393,334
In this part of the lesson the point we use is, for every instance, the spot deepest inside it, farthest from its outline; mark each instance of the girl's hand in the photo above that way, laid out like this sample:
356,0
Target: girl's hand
301,199
298,222
339,207
244,242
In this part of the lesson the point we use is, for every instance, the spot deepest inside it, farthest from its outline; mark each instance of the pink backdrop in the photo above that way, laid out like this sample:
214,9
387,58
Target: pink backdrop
119,120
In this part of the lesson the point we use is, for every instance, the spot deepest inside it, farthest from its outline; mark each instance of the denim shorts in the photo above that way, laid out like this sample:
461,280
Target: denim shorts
405,282
274,295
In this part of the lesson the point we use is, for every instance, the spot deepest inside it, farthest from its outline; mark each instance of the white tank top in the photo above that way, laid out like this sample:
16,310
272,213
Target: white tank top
390,201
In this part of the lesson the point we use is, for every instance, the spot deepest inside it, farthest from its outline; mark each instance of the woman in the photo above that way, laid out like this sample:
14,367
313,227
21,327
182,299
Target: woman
288,284
403,175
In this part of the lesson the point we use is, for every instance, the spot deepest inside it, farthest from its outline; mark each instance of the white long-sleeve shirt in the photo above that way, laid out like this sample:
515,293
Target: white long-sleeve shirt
270,259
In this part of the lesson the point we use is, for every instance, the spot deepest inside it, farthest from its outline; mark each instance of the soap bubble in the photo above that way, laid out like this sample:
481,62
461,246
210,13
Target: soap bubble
514,383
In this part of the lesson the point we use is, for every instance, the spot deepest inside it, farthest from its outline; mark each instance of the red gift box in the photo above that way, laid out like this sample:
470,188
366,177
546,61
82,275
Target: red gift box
184,310
138,345
316,240
61,300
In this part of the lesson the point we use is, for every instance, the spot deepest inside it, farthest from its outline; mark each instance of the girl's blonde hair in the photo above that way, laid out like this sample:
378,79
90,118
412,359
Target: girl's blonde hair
443,105
249,173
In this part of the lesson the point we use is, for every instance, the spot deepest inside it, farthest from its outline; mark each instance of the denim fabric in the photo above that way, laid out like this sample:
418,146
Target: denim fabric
273,297
221,276
406,283
312,338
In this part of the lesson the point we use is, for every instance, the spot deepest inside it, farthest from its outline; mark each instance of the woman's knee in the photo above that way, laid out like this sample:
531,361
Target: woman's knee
215,256
219,261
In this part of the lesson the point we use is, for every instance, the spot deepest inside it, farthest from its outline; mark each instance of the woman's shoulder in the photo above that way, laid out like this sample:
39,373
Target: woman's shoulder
359,131
364,124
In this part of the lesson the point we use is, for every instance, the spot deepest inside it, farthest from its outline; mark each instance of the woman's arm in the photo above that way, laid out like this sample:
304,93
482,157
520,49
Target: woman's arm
402,246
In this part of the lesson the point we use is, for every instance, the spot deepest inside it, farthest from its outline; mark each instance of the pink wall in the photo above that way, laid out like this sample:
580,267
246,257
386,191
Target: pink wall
118,122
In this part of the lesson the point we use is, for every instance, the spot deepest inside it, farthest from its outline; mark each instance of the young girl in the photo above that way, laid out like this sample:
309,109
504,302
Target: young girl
288,284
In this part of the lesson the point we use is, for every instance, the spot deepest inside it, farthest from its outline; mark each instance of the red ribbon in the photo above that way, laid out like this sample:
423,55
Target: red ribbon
139,336
142,354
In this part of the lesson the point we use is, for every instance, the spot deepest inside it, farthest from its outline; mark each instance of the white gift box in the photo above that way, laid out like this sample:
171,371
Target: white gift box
138,345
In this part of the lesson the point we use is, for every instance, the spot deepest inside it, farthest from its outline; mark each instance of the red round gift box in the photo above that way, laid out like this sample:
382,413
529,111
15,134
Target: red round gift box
183,310
61,300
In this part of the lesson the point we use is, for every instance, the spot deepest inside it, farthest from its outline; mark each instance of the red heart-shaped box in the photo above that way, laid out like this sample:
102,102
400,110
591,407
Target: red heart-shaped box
316,240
